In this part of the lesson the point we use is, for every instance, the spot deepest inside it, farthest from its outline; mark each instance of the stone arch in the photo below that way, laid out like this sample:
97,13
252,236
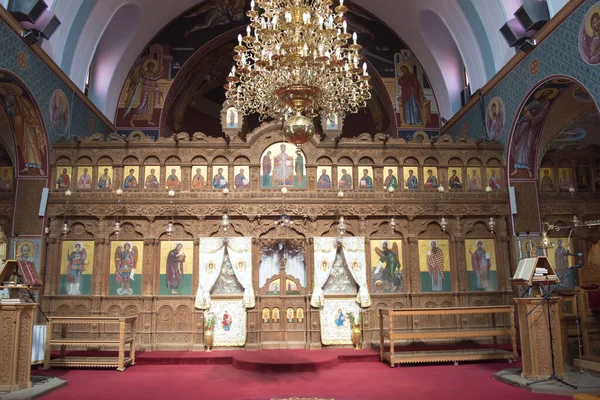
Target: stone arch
105,160
151,160
85,160
36,155
131,160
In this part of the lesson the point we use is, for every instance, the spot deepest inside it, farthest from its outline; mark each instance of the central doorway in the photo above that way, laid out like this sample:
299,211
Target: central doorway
283,300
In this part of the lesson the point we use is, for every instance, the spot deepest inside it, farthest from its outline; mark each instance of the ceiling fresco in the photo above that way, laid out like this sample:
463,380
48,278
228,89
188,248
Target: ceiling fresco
147,101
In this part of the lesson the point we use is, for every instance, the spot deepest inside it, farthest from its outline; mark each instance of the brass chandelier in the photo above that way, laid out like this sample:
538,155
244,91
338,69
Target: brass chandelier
295,62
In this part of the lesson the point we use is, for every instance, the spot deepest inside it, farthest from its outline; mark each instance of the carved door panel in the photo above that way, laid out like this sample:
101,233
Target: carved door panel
283,301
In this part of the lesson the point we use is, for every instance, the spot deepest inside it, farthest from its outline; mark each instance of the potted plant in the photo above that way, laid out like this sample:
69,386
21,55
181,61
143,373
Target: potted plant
209,324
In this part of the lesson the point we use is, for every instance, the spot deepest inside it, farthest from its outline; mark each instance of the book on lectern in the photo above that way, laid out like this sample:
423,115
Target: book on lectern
534,269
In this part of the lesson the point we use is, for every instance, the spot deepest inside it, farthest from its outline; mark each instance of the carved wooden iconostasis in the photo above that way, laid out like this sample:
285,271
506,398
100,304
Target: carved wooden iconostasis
578,169
417,264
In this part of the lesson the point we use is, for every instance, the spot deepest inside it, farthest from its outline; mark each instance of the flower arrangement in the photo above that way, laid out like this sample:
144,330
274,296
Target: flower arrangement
354,319
210,320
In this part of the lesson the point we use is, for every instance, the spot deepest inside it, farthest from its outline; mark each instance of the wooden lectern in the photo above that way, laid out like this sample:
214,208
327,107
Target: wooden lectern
534,329
16,324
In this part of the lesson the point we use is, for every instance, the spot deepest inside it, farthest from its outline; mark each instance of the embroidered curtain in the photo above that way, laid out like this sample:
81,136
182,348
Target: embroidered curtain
240,255
324,251
212,250
354,253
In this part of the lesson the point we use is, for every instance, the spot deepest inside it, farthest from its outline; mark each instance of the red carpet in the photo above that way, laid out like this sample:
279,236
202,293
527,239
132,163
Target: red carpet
285,360
347,381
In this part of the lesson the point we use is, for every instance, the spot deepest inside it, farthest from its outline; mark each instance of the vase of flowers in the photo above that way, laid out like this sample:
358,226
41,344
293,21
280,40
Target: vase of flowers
209,324
355,320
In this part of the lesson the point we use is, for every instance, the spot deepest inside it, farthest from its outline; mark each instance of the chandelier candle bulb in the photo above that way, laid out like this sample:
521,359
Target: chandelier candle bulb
345,26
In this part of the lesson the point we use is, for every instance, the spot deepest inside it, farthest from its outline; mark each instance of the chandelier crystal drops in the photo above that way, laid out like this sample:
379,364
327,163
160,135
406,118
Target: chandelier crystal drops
297,60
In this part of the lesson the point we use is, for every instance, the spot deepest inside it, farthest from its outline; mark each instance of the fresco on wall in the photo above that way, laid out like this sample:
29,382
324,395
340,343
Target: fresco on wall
345,180
63,178
391,178
27,126
474,178
59,112
565,179
282,166
528,127
240,178
173,177
494,178
431,178
481,264
434,264
454,180
176,267
494,119
152,180
366,178
132,175
387,274
211,28
76,267
561,262
546,176
589,36
219,180
584,179
324,181
199,178
105,176
6,179
126,266
411,180
84,177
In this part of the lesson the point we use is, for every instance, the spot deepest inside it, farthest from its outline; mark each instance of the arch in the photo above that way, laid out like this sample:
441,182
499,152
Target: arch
131,160
525,139
365,160
493,162
105,160
324,161
33,156
345,161
199,160
474,162
443,48
110,48
151,160
84,160
241,160
220,160
411,161
63,161
455,161
391,161
432,161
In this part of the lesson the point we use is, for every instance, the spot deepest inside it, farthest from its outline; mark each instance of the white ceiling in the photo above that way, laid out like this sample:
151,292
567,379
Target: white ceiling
440,33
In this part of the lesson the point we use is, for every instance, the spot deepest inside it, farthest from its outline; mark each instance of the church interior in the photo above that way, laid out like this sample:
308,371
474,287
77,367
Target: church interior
261,198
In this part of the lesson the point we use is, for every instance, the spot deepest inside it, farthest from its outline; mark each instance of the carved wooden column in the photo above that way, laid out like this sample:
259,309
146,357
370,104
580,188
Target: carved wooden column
100,265
413,264
461,279
311,175
149,272
118,177
255,177
503,263
186,176
377,177
52,274
196,267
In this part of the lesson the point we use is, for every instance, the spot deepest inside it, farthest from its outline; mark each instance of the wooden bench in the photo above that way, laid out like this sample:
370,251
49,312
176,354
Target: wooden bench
125,338
454,355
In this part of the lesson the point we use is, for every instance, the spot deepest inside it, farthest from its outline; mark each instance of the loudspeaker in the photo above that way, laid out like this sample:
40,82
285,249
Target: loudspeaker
26,10
514,33
45,25
533,14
